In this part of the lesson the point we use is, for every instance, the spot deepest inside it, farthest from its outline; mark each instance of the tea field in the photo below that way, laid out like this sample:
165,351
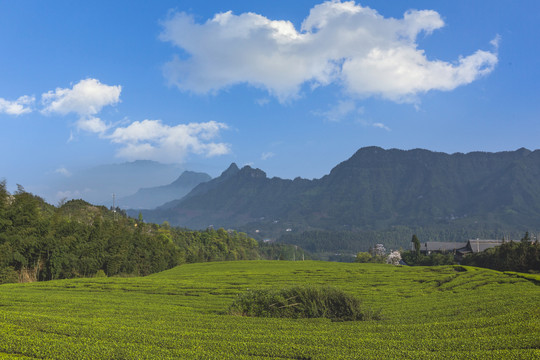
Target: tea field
427,313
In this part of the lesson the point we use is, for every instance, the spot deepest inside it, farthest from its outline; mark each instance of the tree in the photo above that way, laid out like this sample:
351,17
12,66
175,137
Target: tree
363,257
394,258
416,244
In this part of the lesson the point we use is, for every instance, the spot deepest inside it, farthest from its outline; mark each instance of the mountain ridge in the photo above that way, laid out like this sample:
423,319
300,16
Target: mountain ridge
152,197
375,189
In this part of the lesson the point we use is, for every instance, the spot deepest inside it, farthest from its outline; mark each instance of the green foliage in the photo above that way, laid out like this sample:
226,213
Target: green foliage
426,313
370,257
319,242
363,257
277,251
78,239
301,302
416,244
435,259
8,275
523,256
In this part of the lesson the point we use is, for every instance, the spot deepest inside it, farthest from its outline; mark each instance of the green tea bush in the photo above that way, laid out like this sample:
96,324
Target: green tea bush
301,302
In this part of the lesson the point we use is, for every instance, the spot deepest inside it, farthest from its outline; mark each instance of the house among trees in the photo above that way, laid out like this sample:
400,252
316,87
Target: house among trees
460,249
502,255
440,247
475,246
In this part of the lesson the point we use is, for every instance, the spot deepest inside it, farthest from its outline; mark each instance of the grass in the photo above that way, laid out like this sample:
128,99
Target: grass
301,302
427,312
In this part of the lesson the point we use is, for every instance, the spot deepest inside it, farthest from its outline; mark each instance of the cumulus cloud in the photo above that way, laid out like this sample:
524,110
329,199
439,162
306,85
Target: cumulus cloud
339,42
17,107
86,99
153,140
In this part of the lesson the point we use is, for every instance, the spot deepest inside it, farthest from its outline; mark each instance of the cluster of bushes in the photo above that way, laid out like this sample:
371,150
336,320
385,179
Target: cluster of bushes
301,302
366,257
413,259
39,241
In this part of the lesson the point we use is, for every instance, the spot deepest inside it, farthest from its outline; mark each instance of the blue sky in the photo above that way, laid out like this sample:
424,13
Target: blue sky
293,88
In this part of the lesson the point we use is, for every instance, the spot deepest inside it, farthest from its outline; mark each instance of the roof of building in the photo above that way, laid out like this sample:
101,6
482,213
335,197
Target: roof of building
442,246
477,245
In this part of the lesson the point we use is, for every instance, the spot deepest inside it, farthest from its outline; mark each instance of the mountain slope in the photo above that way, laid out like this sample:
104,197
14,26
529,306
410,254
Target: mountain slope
237,197
375,189
148,198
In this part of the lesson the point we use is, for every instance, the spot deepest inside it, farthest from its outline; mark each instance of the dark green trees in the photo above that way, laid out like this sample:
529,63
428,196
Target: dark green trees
523,256
76,239
416,245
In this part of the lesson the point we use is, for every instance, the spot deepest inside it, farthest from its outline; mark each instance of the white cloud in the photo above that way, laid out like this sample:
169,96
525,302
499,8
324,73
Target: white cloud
63,171
381,126
496,41
267,155
86,99
340,111
92,124
153,140
17,107
339,42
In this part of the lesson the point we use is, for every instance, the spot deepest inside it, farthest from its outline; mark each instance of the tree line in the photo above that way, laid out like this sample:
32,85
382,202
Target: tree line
39,241
521,256
396,237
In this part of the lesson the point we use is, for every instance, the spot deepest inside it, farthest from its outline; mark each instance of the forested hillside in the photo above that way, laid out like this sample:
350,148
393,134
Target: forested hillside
39,241
376,195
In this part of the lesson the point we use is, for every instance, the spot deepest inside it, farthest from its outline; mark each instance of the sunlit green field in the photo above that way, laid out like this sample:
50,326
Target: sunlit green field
428,313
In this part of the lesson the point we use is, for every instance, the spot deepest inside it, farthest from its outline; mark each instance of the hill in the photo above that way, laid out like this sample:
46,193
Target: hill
427,313
39,241
376,190
149,198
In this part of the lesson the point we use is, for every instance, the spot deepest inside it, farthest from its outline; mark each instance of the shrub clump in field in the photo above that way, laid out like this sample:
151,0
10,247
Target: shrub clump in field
301,302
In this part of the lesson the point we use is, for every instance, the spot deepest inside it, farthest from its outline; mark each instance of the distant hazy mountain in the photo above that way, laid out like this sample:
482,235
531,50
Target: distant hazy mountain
203,187
97,185
375,189
149,198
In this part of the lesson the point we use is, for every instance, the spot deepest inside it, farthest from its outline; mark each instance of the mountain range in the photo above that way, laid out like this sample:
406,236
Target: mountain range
375,190
148,198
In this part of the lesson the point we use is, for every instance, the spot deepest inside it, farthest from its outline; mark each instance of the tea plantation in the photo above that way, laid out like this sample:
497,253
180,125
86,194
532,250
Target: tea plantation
425,313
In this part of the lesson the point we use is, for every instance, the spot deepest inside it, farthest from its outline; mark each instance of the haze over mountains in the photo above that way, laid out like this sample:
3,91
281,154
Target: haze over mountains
374,190
148,198
97,184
